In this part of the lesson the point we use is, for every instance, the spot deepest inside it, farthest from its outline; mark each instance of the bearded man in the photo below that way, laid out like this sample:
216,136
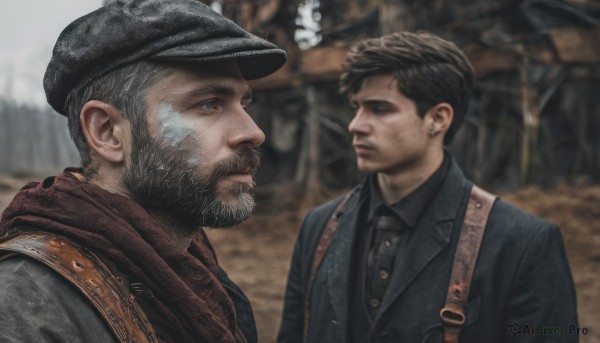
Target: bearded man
156,98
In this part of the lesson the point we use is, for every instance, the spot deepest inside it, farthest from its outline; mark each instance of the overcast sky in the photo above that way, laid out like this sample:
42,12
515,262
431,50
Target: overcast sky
28,31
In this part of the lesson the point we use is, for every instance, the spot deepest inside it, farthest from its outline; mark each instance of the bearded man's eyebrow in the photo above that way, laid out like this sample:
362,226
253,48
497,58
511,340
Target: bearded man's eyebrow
217,89
211,89
189,98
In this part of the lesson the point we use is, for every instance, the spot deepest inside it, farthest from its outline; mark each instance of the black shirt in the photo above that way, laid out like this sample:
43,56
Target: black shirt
376,249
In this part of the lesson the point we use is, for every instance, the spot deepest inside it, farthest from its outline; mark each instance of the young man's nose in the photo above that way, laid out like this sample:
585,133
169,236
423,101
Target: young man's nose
359,124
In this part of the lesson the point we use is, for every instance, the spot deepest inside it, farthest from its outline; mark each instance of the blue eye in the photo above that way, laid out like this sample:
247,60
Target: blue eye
208,105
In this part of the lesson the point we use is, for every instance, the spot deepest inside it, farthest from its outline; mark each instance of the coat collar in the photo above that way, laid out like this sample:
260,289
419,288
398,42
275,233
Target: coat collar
339,260
431,235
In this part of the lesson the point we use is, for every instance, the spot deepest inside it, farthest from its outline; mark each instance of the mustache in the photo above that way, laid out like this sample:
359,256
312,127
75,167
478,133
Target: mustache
245,161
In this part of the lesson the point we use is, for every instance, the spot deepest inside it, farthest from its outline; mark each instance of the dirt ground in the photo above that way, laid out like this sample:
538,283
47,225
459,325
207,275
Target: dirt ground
256,254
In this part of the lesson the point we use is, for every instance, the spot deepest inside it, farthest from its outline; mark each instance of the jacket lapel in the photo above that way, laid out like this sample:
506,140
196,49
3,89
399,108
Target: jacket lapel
431,235
338,263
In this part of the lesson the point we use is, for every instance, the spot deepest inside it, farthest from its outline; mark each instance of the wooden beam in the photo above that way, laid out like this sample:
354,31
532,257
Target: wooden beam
322,63
486,60
577,45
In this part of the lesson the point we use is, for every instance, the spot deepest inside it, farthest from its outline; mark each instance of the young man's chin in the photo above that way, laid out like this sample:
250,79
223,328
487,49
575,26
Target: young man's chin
367,167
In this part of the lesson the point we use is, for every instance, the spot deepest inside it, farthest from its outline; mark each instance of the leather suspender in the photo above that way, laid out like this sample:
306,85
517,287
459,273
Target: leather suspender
322,247
465,257
84,270
471,234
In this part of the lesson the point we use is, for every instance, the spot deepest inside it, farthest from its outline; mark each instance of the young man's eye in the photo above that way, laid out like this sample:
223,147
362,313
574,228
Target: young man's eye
380,109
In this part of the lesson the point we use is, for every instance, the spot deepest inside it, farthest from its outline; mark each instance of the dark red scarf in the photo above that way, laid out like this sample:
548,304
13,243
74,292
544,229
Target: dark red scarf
185,288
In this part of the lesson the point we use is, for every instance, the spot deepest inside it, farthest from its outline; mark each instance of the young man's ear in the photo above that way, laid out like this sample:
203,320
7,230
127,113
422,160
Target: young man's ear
441,116
106,130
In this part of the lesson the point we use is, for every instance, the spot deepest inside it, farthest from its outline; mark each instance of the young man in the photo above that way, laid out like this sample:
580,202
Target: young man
386,272
155,93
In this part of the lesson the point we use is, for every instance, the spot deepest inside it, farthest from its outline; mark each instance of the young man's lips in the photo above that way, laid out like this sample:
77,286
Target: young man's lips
362,149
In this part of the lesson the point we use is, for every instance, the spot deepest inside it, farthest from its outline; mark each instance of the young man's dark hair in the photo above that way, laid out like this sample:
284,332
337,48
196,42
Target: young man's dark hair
156,96
428,69
392,261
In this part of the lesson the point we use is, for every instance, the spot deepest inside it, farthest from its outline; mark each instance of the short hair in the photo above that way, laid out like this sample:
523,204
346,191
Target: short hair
429,70
125,88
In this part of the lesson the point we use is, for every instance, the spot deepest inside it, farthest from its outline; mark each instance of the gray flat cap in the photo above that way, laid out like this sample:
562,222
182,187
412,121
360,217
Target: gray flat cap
126,31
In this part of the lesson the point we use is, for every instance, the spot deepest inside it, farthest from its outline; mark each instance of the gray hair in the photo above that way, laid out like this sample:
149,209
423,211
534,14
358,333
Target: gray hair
125,88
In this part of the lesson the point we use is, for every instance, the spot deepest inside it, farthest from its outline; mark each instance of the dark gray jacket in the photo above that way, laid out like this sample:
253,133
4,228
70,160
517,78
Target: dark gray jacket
522,276
39,305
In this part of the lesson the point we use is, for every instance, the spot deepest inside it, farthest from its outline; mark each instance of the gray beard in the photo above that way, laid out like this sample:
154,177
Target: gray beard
162,181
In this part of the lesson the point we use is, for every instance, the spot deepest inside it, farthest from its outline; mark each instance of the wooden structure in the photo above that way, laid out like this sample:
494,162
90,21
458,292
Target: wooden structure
534,114
534,117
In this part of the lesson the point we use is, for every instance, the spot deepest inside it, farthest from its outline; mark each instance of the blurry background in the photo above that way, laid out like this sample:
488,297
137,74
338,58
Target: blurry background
531,134
33,139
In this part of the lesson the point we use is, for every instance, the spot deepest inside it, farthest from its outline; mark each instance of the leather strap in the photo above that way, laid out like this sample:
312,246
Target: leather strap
322,247
111,298
467,250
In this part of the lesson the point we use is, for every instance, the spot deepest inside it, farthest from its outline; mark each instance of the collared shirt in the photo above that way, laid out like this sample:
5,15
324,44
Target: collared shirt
377,249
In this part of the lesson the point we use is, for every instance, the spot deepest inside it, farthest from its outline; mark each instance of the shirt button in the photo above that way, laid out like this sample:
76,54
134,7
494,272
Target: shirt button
374,303
387,243
383,274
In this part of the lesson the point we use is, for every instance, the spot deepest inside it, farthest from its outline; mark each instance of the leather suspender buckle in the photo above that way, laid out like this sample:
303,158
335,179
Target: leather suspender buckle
452,317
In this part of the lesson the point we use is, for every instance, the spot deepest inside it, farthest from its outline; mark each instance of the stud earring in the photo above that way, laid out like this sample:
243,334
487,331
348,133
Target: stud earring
432,131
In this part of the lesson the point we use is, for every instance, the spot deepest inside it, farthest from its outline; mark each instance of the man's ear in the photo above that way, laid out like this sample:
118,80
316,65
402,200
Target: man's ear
441,115
105,129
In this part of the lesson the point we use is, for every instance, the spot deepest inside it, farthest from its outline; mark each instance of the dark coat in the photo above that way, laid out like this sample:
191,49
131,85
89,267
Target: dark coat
39,305
522,276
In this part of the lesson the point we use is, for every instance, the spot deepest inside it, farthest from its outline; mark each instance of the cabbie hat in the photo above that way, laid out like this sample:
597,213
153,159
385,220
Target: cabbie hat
127,31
